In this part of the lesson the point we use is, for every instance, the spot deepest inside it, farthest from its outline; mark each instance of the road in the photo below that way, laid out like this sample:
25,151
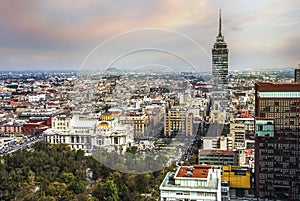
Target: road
14,146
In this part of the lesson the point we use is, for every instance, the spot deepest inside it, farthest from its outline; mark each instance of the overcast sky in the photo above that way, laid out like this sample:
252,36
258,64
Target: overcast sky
79,34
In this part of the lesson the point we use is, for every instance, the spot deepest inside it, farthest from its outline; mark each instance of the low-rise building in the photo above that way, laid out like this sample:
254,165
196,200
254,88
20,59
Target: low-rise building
12,128
226,142
29,129
217,157
89,134
198,182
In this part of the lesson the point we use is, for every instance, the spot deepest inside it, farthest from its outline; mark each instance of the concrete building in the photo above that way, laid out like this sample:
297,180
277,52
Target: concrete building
249,126
12,128
237,131
297,74
277,141
246,156
218,143
198,182
226,142
178,120
217,157
211,143
137,120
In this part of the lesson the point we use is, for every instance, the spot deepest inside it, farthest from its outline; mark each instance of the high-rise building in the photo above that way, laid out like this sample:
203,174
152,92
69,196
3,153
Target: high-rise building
297,74
220,65
277,140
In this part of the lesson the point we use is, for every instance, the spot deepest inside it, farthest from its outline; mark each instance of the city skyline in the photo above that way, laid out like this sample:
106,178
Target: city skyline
59,36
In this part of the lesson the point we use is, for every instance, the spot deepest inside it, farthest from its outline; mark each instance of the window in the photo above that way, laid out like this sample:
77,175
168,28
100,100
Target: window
116,140
100,140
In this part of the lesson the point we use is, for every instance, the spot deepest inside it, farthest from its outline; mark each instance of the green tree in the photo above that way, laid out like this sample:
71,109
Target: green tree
110,191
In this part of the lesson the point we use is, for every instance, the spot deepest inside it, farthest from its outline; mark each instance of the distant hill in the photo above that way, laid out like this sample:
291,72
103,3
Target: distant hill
113,70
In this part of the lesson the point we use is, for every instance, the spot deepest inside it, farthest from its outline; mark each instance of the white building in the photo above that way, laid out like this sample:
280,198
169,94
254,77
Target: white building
89,134
211,143
36,98
193,183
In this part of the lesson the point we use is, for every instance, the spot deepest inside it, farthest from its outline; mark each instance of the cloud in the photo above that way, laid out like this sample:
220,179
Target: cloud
63,32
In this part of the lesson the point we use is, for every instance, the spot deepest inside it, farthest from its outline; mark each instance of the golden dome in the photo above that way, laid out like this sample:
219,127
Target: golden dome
106,117
103,125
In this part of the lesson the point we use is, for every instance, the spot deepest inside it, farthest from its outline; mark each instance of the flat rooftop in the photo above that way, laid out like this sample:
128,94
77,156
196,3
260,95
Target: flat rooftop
196,171
277,86
213,151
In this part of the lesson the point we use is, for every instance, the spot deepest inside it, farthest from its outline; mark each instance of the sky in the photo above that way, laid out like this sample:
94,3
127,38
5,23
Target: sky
135,34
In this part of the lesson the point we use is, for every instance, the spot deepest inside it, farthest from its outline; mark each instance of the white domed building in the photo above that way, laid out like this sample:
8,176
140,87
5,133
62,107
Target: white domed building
88,133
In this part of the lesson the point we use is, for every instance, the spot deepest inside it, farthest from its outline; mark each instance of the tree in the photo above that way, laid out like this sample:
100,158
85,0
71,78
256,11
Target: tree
107,191
110,191
58,190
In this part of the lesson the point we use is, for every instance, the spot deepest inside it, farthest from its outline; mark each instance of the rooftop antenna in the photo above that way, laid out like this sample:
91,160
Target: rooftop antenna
220,23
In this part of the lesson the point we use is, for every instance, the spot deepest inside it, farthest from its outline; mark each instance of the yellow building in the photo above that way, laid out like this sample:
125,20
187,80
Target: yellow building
236,176
178,120
237,131
138,121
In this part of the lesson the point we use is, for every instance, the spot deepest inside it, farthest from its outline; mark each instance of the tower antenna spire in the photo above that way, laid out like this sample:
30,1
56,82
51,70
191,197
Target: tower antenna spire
220,23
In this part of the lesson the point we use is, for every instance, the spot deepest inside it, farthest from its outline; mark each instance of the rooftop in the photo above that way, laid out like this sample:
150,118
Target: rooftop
277,86
204,178
196,171
216,151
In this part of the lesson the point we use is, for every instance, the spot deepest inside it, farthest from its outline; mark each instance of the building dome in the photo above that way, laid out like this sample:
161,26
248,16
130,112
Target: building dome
103,125
107,117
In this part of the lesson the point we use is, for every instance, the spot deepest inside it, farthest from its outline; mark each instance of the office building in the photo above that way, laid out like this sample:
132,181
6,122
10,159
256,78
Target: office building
277,140
217,157
237,131
297,74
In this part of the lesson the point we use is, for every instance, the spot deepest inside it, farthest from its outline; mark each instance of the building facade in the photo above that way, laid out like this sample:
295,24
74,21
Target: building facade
178,120
12,128
277,140
138,121
236,176
217,157
90,134
297,74
237,131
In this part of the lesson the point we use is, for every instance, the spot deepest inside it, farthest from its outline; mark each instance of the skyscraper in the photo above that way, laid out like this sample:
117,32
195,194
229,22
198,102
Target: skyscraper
277,141
220,65
297,74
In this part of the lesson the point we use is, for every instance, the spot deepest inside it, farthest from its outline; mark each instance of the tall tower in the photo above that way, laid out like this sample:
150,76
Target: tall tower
220,66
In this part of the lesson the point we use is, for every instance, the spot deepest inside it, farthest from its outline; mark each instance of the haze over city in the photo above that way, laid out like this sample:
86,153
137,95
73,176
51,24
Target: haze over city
58,35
